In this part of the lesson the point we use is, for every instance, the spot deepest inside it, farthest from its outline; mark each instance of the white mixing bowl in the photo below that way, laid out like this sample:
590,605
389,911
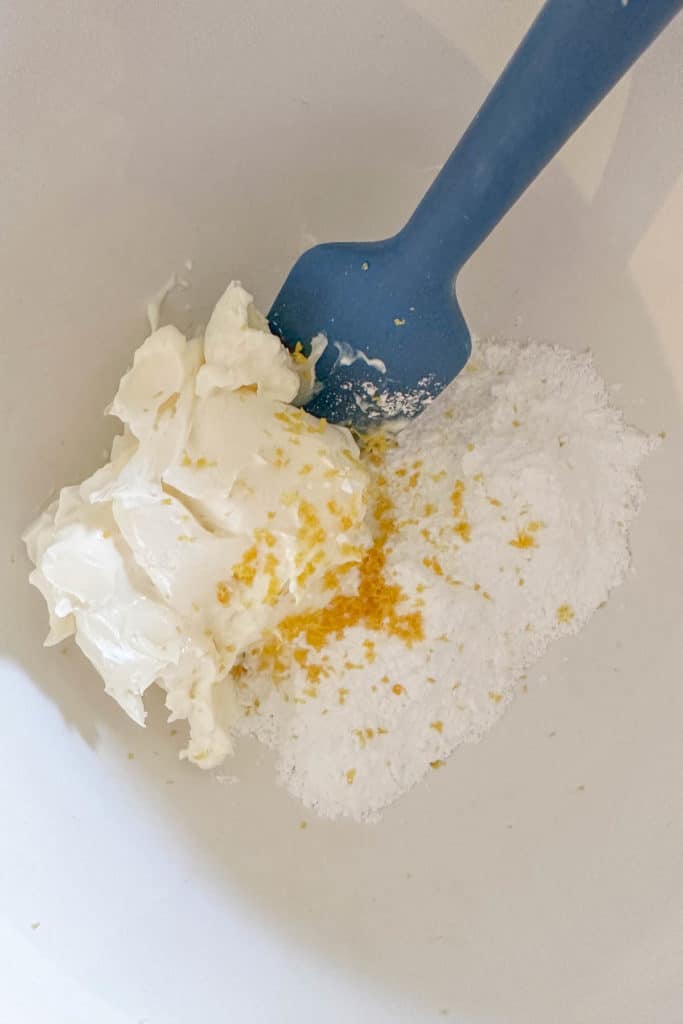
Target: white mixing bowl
137,136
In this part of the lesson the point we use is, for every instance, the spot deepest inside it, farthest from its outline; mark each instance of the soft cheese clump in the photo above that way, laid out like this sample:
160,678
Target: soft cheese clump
221,506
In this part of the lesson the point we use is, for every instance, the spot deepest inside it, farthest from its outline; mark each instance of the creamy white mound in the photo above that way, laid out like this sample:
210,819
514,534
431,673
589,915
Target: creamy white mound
221,506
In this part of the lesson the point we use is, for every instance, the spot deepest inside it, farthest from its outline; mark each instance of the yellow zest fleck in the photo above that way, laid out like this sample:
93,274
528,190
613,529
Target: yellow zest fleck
274,584
495,697
463,530
343,694
298,353
397,689
462,527
370,653
516,423
307,571
310,531
222,593
494,502
292,419
360,736
434,564
271,657
436,764
264,536
351,456
166,501
281,460
245,569
315,426
565,613
350,776
331,576
523,540
314,672
375,445
305,469
456,498
437,726
200,463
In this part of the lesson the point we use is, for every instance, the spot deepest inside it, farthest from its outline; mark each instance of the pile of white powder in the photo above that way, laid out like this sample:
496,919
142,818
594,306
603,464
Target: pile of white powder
510,500
362,612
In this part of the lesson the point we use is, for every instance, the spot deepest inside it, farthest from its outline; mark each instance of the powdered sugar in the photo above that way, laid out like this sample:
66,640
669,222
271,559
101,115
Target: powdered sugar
379,402
501,515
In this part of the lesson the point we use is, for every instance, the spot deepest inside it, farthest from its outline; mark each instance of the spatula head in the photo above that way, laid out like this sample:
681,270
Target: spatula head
396,336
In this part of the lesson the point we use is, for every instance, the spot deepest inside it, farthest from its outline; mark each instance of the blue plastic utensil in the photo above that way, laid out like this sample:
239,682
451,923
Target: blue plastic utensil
394,300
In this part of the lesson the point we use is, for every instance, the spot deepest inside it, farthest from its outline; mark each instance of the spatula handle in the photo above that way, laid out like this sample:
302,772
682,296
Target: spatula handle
573,54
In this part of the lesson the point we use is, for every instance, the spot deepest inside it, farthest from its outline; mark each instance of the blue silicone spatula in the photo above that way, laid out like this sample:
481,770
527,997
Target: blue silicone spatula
396,335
